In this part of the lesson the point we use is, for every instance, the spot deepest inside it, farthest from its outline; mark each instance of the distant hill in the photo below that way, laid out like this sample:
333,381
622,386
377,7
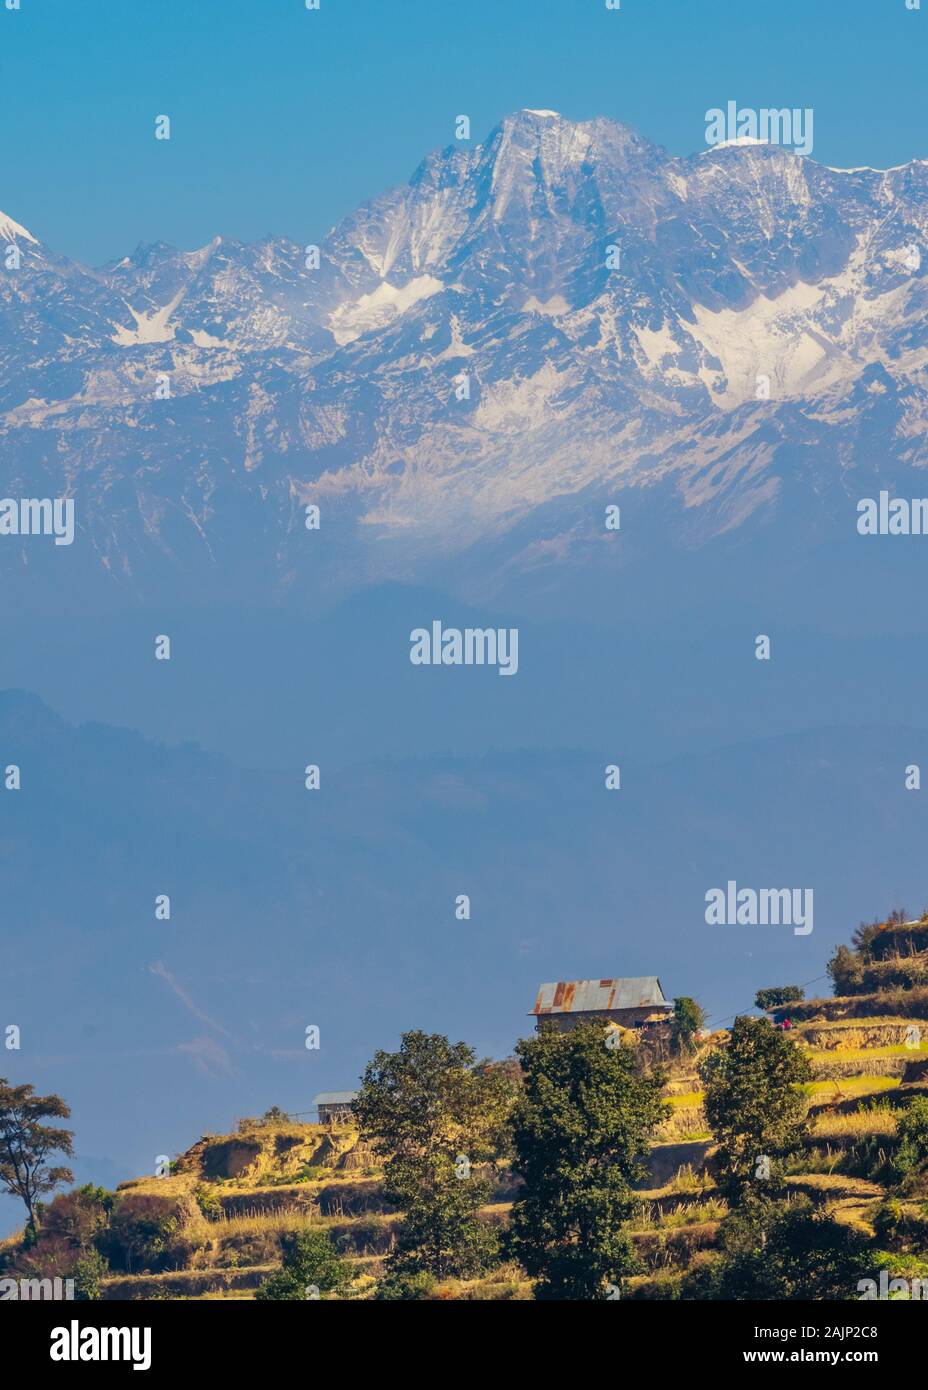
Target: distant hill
336,908
217,1224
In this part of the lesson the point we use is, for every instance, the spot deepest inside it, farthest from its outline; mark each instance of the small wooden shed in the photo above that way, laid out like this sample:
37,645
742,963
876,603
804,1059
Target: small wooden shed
335,1107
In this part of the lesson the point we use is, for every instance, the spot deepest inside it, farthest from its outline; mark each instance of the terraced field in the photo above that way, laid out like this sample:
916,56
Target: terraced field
239,1196
859,1064
217,1225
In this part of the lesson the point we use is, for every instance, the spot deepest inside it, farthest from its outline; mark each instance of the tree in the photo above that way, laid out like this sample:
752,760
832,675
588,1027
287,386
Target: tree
851,967
79,1217
311,1267
688,1017
782,1251
778,996
25,1144
88,1275
435,1114
580,1129
913,1134
753,1104
66,1247
846,969
142,1230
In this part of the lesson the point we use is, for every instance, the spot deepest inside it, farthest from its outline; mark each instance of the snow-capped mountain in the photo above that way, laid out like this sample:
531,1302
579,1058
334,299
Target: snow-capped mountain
470,366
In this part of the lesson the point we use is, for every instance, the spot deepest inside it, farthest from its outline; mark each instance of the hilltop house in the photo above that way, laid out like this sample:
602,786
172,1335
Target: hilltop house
633,1003
335,1107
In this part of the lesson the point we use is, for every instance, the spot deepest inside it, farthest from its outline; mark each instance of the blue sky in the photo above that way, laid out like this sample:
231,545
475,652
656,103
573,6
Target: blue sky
285,119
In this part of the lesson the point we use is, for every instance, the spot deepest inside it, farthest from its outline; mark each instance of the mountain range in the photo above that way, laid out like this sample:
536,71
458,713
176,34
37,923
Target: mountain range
730,347
462,377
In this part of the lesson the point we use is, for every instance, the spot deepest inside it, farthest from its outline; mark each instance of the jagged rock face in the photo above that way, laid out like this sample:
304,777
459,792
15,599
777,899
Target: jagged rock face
592,376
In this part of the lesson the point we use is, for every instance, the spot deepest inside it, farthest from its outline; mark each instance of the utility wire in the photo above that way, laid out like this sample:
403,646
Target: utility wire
730,1017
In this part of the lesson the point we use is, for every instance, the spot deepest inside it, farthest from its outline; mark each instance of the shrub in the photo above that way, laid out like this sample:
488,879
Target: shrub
902,1226
141,1229
88,1275
773,998
53,1257
913,1134
406,1286
79,1217
687,1019
311,1262
208,1202
777,1251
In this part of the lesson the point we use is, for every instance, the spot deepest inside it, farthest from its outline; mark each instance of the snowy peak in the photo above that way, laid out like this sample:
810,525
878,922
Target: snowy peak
12,231
527,158
543,152
528,323
515,217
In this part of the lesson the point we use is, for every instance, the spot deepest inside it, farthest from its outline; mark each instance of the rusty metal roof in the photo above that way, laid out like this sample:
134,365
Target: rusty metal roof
595,996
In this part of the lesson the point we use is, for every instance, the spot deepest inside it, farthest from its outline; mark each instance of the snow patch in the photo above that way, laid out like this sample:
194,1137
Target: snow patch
772,337
457,347
557,304
527,403
739,140
376,310
12,231
149,328
196,260
202,339
871,169
657,345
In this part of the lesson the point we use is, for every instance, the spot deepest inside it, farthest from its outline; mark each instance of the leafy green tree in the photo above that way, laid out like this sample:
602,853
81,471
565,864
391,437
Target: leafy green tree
580,1129
753,1105
846,970
311,1267
435,1115
687,1019
142,1229
79,1217
782,1251
26,1143
88,1274
67,1245
913,1135
850,968
441,1232
779,995
275,1116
